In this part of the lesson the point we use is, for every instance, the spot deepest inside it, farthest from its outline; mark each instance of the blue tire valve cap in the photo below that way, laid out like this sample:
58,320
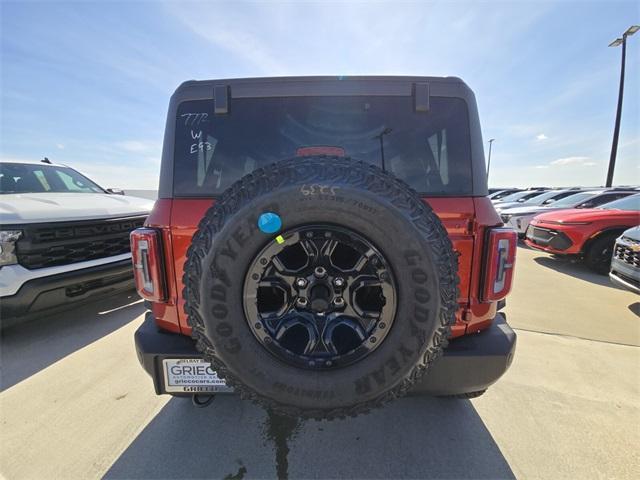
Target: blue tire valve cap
269,222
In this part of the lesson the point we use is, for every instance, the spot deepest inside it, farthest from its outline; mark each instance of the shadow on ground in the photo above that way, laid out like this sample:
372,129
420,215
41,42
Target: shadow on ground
48,339
575,269
232,439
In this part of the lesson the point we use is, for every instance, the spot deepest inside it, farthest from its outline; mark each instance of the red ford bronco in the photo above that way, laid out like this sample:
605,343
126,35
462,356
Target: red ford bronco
323,245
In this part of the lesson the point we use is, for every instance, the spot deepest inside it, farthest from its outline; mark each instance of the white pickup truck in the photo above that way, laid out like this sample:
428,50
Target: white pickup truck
63,238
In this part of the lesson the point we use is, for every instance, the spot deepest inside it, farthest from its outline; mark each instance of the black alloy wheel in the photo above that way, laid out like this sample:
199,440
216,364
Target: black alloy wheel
322,297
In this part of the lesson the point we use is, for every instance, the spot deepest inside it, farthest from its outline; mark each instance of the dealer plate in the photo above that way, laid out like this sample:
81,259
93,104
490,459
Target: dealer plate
191,375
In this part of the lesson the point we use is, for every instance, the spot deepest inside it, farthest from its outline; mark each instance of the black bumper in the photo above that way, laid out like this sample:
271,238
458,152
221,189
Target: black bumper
64,289
469,364
546,237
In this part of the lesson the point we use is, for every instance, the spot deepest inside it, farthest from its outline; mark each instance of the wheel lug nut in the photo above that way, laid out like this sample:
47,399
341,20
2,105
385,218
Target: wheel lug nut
320,272
338,301
301,283
339,282
302,302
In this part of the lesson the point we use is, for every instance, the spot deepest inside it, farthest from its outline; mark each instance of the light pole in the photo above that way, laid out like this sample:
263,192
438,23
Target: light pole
489,160
616,129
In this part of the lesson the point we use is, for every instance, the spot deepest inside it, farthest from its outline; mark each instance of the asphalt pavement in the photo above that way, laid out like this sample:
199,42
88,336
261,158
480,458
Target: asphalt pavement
75,403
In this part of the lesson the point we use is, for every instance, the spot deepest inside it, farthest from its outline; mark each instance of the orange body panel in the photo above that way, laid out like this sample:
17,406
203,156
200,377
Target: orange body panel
464,218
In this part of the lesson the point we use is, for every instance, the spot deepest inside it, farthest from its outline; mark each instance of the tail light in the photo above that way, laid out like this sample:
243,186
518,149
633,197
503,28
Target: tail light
146,252
500,262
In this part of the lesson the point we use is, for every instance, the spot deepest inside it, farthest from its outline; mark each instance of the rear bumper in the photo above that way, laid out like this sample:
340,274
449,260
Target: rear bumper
469,364
57,291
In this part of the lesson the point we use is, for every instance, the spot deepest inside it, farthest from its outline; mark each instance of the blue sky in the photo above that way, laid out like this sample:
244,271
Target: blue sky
88,83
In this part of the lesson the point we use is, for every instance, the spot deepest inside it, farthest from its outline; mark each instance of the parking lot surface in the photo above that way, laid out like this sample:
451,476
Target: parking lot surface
76,404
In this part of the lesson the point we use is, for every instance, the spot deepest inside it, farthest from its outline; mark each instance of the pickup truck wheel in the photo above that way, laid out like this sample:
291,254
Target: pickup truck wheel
337,304
599,252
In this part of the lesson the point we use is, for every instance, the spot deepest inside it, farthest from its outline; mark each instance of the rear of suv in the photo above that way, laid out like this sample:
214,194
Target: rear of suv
63,239
320,243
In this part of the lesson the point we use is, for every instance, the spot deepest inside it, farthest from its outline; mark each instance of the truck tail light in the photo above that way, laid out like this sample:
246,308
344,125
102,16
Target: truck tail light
500,257
146,252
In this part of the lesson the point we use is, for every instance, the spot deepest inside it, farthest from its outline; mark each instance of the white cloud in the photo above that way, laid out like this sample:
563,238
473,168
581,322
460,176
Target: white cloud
541,137
235,33
578,161
542,166
60,146
350,38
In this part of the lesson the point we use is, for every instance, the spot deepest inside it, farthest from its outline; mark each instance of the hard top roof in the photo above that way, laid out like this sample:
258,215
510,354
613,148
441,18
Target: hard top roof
322,86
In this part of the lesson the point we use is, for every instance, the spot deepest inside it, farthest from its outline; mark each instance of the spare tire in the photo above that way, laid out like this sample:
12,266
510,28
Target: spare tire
339,301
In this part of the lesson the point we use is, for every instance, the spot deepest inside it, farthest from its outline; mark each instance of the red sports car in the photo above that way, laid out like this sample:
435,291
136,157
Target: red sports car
587,233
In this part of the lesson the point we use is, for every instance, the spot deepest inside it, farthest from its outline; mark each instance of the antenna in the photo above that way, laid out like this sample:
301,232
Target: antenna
46,160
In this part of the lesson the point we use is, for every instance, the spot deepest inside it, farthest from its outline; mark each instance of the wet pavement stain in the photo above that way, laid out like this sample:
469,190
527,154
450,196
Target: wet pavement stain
280,430
239,474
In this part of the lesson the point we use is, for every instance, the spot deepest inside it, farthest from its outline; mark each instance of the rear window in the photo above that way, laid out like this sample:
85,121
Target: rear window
428,150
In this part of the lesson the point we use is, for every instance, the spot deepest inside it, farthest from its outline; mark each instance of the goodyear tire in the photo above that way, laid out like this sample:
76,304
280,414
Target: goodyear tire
341,309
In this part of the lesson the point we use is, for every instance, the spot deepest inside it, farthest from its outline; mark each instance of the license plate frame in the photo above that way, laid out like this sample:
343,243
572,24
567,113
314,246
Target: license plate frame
191,376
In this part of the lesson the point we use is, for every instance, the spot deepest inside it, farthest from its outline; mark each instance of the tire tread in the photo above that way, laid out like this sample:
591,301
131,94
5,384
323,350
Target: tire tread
311,170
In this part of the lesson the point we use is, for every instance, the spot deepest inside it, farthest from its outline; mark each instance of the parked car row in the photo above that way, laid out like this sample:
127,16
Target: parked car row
498,194
589,233
589,224
518,214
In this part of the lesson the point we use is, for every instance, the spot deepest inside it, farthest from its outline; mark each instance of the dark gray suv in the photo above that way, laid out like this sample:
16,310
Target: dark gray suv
625,264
